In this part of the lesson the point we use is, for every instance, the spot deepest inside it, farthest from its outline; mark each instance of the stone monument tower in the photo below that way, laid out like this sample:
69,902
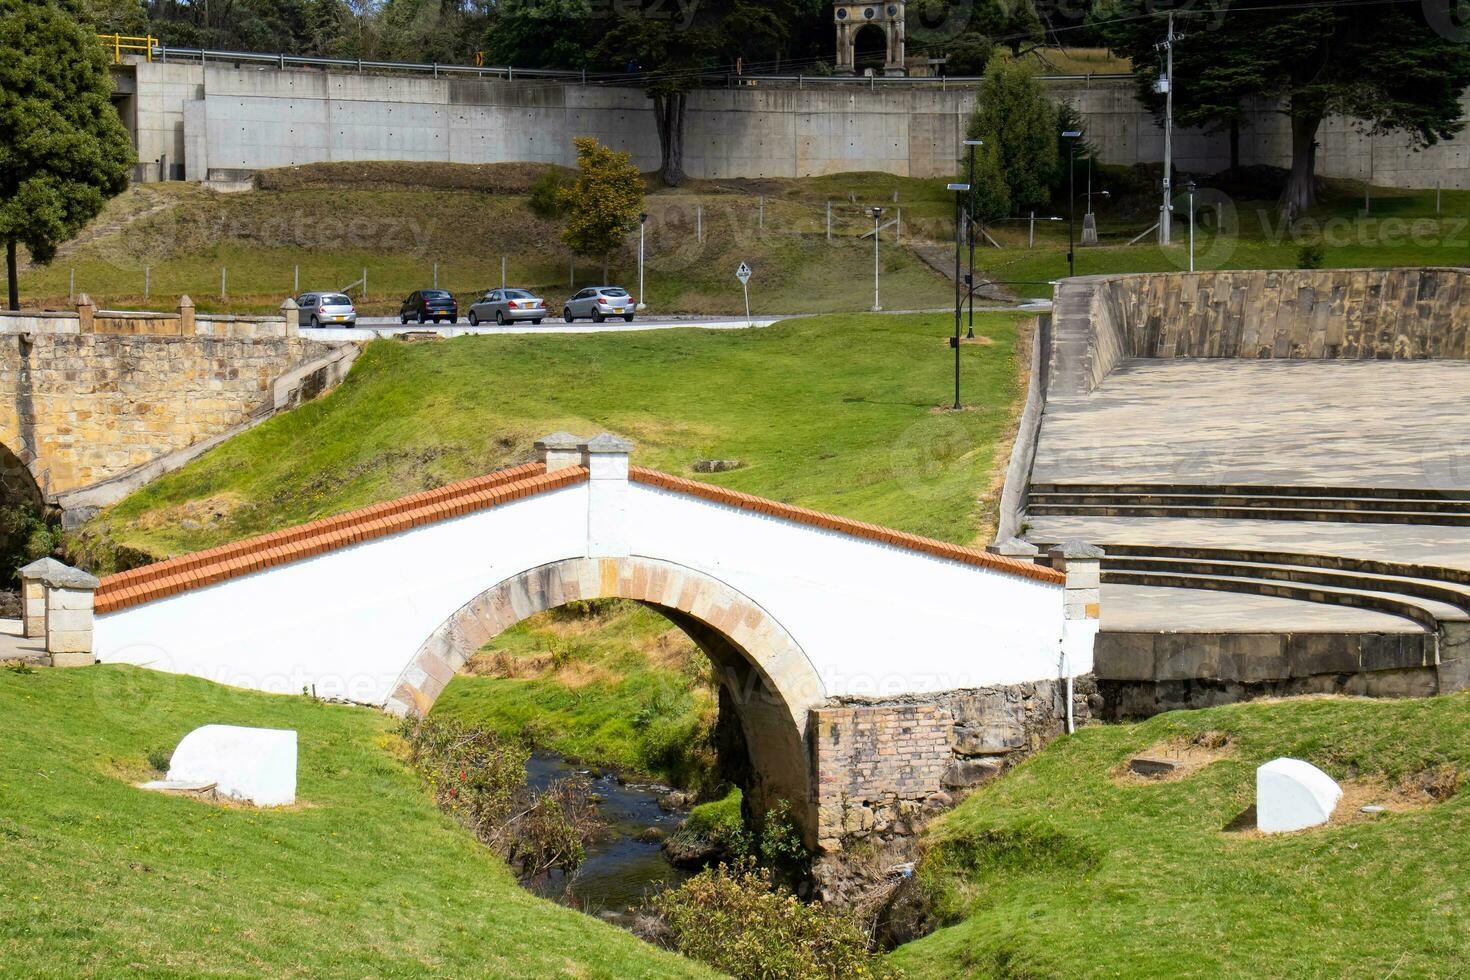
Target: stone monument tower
851,18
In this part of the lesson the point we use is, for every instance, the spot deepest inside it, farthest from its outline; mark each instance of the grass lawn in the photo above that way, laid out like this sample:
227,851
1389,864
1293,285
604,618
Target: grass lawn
1058,869
840,413
363,877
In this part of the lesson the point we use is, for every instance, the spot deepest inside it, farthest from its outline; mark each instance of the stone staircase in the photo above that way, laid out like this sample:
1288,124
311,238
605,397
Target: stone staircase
1281,503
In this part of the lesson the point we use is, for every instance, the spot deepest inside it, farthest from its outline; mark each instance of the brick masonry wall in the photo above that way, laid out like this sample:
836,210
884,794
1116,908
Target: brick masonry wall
881,770
80,408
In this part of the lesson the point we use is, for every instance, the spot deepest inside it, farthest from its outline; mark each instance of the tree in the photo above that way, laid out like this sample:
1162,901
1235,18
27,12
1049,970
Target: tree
603,205
1016,117
63,148
1385,65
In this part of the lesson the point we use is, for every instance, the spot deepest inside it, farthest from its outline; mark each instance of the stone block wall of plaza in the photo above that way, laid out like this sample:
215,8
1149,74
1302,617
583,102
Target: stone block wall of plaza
222,120
1354,314
82,408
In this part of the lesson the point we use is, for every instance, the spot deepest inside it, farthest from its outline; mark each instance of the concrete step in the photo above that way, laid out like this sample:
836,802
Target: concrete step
1276,490
1370,566
1445,601
1422,612
1271,501
1304,513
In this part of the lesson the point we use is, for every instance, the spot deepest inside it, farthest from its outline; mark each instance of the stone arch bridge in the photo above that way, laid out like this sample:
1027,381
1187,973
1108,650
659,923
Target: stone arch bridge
873,672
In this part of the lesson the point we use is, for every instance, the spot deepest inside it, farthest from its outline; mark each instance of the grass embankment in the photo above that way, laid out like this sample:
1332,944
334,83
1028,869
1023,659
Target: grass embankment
398,220
363,877
837,413
1061,868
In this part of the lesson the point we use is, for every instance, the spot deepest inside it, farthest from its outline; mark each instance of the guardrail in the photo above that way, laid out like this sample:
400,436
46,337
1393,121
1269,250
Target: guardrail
163,53
121,43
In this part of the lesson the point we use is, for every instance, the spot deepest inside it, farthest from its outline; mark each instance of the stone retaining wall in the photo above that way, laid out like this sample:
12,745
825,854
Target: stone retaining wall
1353,314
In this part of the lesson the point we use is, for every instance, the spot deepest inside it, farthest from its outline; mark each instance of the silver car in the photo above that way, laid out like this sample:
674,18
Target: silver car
508,306
326,310
599,303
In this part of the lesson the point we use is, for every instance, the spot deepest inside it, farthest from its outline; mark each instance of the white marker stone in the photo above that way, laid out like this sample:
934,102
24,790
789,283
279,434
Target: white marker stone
1293,795
257,765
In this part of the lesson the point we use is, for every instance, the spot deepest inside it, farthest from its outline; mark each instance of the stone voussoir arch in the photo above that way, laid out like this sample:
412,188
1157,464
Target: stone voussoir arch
688,594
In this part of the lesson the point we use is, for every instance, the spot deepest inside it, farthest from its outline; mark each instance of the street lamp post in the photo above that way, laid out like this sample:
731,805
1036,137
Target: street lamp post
970,232
642,223
877,214
1071,136
959,211
1190,187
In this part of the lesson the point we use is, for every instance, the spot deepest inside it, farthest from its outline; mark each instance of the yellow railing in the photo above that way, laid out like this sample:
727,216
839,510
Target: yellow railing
120,43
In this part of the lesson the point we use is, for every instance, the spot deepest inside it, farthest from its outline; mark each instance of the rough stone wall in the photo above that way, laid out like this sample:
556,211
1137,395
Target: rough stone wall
80,408
881,770
1355,314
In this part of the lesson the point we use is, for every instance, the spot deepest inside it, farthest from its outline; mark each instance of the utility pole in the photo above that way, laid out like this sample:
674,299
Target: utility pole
877,214
970,229
1166,215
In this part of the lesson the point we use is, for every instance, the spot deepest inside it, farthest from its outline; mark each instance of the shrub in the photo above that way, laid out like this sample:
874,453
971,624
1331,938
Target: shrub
480,779
1309,255
733,920
159,759
548,195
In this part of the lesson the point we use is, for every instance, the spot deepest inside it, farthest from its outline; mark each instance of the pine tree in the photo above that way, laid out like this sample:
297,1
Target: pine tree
1017,120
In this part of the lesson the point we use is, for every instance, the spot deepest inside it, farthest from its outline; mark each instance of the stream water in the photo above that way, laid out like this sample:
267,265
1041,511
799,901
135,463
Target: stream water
621,869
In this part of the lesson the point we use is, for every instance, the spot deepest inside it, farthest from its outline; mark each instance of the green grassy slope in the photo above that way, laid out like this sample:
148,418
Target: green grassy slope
363,878
838,413
1059,870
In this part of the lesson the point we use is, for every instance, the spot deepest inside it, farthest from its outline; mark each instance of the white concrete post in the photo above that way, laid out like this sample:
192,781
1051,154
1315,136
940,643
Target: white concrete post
607,497
69,616
561,450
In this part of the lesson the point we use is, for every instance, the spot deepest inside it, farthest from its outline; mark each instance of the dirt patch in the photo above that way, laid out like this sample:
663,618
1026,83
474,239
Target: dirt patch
193,515
1186,756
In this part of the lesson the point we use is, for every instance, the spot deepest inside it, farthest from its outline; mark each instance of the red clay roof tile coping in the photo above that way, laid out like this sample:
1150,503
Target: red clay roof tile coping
195,571
843,525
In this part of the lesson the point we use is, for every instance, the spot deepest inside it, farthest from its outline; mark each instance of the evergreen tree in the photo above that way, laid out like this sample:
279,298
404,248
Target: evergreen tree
63,148
603,204
1389,66
1017,120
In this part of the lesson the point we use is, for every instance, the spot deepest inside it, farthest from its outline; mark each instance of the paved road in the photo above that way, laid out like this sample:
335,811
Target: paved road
369,328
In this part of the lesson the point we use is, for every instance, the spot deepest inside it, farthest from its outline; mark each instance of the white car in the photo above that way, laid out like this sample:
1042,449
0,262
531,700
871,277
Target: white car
599,303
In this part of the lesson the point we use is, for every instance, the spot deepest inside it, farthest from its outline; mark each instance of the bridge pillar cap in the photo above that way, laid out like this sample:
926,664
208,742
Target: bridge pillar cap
1076,550
58,576
85,300
287,304
609,444
1013,548
185,302
559,440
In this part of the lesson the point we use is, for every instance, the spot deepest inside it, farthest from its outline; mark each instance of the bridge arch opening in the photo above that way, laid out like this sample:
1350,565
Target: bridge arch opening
870,48
763,675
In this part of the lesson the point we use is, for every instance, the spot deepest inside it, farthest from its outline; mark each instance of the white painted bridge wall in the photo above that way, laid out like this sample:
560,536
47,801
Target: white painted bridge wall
873,619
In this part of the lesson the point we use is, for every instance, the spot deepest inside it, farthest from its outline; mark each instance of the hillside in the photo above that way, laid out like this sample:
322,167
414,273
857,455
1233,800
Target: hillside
838,413
363,877
1065,867
398,220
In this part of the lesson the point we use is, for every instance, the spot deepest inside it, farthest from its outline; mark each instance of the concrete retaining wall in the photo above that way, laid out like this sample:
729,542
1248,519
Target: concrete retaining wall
221,118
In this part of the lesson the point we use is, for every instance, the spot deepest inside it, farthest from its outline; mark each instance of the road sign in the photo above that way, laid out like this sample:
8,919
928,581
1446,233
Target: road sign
743,274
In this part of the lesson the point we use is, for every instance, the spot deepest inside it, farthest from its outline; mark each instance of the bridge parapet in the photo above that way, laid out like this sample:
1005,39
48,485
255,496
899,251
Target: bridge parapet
57,603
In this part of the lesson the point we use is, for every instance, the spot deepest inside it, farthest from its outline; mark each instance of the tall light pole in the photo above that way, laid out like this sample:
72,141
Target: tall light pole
877,214
642,222
959,211
1190,186
1071,136
1166,223
970,231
